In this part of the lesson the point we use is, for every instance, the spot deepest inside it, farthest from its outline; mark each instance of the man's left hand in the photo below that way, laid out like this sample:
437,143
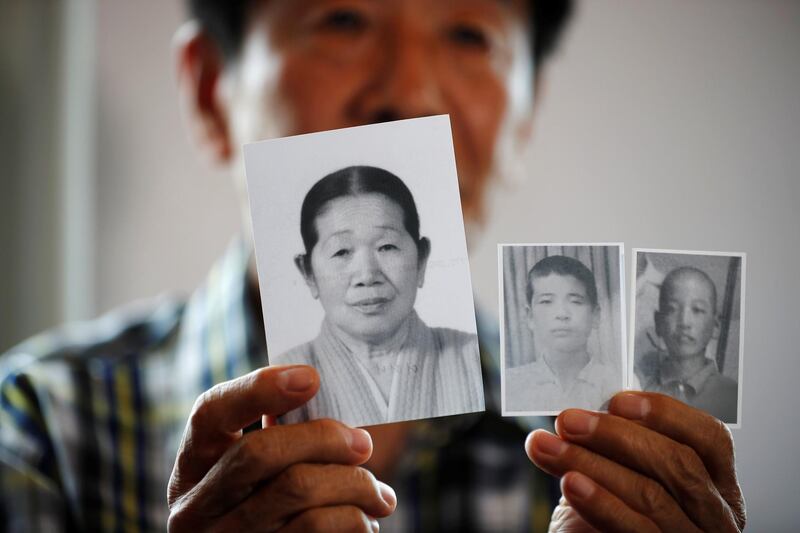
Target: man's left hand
651,464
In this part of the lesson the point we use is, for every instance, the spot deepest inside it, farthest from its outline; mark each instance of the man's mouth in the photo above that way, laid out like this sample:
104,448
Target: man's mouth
683,338
371,306
561,332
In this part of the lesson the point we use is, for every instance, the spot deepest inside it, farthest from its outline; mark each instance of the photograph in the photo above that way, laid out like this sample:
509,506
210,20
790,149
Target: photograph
363,269
562,324
687,328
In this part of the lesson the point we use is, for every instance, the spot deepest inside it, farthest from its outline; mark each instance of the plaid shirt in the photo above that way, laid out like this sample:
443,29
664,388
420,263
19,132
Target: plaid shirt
91,417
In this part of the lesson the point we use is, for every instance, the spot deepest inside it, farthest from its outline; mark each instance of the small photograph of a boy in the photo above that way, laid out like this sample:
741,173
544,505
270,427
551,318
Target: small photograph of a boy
562,327
687,330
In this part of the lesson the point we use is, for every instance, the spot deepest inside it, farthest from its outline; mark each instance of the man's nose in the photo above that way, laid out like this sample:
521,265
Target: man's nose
562,311
684,318
366,270
405,82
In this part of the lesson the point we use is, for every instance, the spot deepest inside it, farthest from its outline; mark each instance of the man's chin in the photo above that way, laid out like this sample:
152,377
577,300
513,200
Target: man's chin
568,345
685,354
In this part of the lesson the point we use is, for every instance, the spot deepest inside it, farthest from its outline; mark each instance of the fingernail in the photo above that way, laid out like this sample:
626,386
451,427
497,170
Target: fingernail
576,422
388,495
579,485
374,526
630,405
360,441
295,379
549,444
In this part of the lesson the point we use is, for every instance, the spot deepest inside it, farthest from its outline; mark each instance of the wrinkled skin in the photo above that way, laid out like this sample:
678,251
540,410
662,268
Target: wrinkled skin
302,477
651,464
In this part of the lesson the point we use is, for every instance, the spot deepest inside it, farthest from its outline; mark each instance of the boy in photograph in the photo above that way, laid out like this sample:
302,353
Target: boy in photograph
687,320
561,311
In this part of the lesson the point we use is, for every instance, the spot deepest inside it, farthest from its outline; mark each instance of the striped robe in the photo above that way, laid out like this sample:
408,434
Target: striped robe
437,373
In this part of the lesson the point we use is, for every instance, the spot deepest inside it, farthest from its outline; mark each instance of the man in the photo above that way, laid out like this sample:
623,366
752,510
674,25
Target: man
87,417
562,310
686,320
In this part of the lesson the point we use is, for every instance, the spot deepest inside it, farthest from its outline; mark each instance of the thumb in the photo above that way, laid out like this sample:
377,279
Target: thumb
220,414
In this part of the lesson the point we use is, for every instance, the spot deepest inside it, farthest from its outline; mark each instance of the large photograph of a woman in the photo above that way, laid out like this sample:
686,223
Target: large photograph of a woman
364,272
364,261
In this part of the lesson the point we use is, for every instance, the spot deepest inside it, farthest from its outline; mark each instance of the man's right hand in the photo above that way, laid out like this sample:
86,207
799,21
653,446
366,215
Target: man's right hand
299,477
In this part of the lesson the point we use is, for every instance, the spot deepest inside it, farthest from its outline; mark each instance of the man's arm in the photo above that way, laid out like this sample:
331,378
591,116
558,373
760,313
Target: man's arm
29,502
298,477
651,464
31,496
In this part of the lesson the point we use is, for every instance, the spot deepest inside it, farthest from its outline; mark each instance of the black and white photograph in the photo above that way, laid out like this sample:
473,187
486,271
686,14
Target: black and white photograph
362,261
687,328
562,325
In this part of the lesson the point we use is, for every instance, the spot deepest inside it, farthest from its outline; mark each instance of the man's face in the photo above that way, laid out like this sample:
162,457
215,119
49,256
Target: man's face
560,313
687,321
312,65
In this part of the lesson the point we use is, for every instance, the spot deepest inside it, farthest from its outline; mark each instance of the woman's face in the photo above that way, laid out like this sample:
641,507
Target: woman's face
365,267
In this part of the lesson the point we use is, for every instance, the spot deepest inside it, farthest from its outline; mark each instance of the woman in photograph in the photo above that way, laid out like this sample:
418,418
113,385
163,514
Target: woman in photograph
364,261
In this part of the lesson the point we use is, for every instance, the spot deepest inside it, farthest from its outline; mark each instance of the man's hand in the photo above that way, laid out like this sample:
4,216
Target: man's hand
651,464
301,477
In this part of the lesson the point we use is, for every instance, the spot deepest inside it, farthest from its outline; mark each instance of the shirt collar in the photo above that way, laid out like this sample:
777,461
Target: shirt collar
543,374
669,373
220,338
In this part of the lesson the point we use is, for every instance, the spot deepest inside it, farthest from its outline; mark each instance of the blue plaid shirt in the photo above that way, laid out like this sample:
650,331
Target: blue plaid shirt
91,416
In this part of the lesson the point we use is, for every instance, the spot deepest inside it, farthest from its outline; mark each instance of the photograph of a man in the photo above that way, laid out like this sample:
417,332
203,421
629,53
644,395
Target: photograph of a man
561,312
693,325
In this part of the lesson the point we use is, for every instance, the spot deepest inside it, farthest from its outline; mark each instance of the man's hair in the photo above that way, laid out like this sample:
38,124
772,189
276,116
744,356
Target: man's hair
683,272
224,20
563,266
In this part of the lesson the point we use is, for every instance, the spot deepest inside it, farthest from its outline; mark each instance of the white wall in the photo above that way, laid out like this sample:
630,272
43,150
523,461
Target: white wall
29,258
670,125
163,214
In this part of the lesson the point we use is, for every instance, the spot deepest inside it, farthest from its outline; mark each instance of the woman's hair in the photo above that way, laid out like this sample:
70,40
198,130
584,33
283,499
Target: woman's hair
564,266
353,181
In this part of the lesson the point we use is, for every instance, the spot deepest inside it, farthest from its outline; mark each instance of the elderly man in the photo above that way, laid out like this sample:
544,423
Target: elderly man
93,419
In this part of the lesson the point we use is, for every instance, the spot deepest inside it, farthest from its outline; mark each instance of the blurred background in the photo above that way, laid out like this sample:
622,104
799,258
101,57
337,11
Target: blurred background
663,124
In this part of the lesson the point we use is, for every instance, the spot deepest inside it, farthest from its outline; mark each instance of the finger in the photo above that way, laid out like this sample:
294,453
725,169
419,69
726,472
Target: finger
233,405
707,436
262,454
220,413
674,465
344,518
642,494
601,509
304,486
